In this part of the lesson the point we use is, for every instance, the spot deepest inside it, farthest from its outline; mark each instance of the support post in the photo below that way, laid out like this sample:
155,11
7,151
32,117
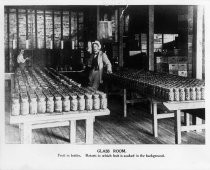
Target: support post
124,102
187,119
121,27
25,133
89,130
72,131
198,122
177,127
154,120
150,47
116,25
151,108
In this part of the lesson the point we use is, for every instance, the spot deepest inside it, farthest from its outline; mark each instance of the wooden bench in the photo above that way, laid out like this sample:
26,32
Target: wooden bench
29,122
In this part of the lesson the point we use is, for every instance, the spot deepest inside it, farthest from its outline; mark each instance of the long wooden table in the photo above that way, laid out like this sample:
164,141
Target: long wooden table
29,122
175,109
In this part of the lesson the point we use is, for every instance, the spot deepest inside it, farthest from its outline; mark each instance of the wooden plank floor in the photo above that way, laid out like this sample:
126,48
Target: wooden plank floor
113,129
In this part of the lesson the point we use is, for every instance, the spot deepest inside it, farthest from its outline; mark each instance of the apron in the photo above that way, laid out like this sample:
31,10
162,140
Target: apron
22,66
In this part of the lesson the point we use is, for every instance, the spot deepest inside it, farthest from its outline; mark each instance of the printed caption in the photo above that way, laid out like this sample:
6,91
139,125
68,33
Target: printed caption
111,153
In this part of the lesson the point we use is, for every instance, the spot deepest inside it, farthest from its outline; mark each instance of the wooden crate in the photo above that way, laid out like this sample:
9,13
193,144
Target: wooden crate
182,59
175,72
172,59
182,73
159,59
182,67
173,67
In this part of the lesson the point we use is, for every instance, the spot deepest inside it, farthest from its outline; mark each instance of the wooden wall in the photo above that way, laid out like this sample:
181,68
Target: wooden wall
185,30
43,27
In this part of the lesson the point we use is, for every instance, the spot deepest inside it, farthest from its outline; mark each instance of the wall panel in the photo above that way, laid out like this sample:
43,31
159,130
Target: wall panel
13,27
57,29
31,28
22,28
31,24
49,28
65,24
40,29
74,29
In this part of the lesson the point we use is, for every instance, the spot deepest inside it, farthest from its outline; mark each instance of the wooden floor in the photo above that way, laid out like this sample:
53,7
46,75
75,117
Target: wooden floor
113,129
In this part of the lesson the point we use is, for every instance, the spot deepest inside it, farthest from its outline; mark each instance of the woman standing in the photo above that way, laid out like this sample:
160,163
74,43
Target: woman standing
21,60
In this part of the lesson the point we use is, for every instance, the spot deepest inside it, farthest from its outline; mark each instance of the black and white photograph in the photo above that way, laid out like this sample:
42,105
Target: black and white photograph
105,75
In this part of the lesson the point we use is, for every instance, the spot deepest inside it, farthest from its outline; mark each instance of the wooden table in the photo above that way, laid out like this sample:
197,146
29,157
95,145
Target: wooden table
175,109
29,122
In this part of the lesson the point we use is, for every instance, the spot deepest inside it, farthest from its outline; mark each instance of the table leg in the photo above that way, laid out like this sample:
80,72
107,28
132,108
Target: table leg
187,119
154,120
203,122
178,139
124,103
198,122
25,133
89,130
72,131
151,108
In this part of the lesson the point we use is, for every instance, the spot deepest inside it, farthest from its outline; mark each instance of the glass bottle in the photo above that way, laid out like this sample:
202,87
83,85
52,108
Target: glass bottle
202,93
81,103
33,106
198,93
192,93
96,102
50,104
170,94
176,94
187,93
181,94
103,101
74,102
58,104
66,104
88,102
15,107
24,106
41,105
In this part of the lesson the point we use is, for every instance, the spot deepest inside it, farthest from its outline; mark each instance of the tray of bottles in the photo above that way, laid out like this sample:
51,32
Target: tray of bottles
160,85
40,91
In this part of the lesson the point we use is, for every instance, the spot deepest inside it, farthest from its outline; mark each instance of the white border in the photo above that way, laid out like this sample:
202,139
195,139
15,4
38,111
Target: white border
41,157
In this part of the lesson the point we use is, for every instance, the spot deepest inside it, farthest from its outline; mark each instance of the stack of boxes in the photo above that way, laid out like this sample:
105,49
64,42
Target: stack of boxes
174,64
177,65
180,62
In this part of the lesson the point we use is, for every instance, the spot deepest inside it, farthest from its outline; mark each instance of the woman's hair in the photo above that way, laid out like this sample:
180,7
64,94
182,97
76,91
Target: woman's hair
21,50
